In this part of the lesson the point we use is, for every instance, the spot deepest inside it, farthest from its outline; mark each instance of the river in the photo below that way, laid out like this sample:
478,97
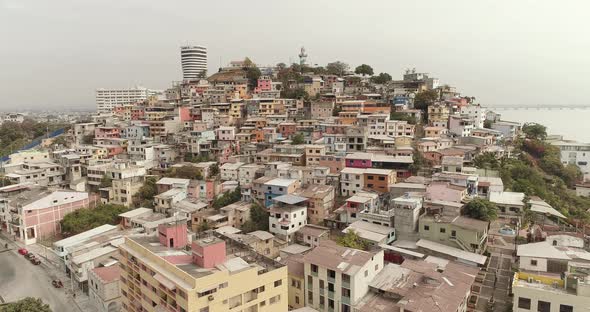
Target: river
572,124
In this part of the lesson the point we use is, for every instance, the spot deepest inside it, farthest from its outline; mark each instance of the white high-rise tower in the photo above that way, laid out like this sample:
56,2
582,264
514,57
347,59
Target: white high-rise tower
194,62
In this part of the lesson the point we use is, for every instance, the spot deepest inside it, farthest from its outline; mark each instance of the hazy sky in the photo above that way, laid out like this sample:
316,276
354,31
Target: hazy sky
54,53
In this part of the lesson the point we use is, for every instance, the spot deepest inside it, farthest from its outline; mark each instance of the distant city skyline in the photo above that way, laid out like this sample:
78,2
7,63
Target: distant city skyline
56,54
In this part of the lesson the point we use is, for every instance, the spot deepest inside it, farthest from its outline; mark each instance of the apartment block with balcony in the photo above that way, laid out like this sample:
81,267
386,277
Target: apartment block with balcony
216,274
337,277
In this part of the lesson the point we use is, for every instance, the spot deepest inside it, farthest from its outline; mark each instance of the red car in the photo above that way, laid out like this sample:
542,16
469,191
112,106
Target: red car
23,251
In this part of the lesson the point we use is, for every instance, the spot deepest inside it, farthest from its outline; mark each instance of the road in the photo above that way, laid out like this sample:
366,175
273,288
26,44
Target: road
19,278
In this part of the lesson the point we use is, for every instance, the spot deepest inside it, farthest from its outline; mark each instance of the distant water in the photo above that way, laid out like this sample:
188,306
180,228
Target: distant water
572,124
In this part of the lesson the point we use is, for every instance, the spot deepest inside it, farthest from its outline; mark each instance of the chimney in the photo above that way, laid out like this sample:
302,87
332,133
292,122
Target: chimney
208,252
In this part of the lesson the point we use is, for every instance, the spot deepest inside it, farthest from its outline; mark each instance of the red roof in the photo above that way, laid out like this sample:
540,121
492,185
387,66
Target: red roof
108,274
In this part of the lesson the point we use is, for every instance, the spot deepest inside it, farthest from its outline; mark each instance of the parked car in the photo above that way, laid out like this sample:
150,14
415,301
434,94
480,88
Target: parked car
23,251
35,261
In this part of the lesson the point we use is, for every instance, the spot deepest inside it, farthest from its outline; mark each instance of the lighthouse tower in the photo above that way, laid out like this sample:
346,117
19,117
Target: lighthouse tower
302,57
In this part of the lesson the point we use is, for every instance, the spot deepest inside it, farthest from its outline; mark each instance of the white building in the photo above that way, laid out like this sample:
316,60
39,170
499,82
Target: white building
337,277
351,181
194,62
229,171
575,153
476,112
287,215
107,99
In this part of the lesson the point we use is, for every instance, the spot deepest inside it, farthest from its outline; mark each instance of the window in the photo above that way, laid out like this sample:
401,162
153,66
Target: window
314,268
426,228
297,299
534,262
278,283
524,303
453,233
566,308
310,297
443,230
366,273
544,306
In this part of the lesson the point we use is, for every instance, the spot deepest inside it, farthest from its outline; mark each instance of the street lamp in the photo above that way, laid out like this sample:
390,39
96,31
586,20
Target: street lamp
516,237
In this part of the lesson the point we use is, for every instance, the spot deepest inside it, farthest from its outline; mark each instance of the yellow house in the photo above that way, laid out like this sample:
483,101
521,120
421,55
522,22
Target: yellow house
219,274
296,282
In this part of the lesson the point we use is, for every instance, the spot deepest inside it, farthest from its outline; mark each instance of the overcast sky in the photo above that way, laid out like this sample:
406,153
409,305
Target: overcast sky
54,53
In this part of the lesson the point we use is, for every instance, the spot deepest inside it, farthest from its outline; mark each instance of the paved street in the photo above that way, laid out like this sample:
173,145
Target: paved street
20,279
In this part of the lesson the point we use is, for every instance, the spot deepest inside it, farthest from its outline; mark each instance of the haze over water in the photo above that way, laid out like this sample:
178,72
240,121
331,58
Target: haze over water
573,124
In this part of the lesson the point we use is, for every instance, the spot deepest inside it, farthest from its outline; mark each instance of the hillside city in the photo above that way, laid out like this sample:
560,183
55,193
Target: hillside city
291,188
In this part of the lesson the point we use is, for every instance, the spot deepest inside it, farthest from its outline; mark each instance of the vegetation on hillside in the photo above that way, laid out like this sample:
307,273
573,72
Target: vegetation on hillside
537,171
14,136
352,240
227,198
258,220
298,139
145,196
481,209
86,219
184,172
28,304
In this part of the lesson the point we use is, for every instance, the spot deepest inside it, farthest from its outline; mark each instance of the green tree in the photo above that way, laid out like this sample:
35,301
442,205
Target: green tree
352,240
534,131
337,68
213,170
28,304
298,139
486,160
106,181
86,219
424,99
227,198
145,195
336,111
481,209
381,78
60,140
185,172
487,124
258,219
402,116
281,66
253,73
294,93
364,69
88,139
418,161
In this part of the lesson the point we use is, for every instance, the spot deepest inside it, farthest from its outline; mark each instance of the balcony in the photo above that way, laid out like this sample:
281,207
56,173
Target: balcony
330,294
345,300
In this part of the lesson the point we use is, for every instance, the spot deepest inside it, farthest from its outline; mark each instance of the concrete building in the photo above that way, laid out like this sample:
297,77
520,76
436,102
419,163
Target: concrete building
551,293
215,275
104,291
288,214
337,278
194,62
407,212
575,153
108,99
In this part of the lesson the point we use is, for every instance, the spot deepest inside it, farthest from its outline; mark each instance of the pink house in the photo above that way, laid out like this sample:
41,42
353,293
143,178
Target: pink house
264,84
107,132
41,218
359,160
445,191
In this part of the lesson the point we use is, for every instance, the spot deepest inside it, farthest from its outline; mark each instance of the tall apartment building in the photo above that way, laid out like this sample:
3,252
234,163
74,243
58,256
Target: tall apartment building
107,99
337,278
217,274
194,62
